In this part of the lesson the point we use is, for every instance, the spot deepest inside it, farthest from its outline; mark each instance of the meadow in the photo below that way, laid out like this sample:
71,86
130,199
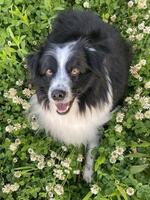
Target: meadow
32,165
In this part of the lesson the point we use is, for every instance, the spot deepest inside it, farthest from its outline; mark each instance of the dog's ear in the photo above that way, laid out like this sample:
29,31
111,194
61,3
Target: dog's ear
32,61
95,60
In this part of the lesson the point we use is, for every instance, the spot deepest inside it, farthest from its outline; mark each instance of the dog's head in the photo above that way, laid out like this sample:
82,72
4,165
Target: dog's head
64,72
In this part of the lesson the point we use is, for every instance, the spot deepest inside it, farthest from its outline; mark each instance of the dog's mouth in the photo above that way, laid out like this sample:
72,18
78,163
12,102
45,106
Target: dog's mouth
63,108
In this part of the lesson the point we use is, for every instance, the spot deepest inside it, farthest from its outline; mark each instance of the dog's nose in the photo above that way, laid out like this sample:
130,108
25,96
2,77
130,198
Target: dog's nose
58,95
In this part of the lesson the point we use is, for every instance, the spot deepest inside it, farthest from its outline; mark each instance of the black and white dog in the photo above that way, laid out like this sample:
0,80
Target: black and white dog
80,75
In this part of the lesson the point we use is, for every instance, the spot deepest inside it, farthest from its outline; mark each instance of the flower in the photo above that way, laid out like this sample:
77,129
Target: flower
27,92
34,125
114,154
134,17
12,92
59,189
139,115
77,172
118,128
86,4
130,191
113,18
40,165
9,128
64,148
119,117
80,158
17,141
145,102
30,150
130,4
49,187
19,82
17,174
95,189
119,150
112,160
142,4
147,114
50,162
14,187
142,62
13,147
53,154
6,188
129,100
147,85
15,159
141,26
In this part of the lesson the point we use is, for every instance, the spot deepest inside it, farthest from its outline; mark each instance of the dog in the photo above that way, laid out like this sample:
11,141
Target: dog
80,74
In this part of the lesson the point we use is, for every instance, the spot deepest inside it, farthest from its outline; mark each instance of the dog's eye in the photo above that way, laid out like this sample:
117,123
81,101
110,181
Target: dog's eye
75,72
49,73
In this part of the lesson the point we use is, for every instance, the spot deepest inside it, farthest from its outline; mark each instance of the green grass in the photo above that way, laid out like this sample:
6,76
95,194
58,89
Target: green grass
33,166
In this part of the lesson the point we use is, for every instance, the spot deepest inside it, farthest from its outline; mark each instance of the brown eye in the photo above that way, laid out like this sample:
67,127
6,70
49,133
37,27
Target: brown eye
75,72
49,73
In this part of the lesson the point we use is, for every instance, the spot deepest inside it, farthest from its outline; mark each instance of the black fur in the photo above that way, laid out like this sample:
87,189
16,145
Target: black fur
112,56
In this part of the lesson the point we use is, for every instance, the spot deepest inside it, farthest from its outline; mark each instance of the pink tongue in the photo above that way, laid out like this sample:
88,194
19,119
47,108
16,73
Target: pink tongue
62,107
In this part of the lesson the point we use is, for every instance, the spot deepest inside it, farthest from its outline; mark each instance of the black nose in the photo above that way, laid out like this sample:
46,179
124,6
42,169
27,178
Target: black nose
58,95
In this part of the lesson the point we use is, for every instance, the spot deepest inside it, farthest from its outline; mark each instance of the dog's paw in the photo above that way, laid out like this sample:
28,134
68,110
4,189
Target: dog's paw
87,174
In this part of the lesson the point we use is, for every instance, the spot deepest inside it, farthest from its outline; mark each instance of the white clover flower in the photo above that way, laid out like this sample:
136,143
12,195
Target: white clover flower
49,187
86,4
33,157
147,114
112,160
129,100
134,17
17,126
130,4
14,187
142,62
66,163
19,82
139,115
130,191
53,154
50,194
6,189
113,18
77,172
30,151
59,189
80,158
95,189
134,71
16,100
119,117
139,36
129,30
34,125
147,85
41,165
25,105
13,147
142,4
17,141
139,90
50,162
146,17
40,158
114,154
66,171
141,26
17,174
137,96
145,102
27,92
119,151
131,37
146,30
58,173
15,160
9,128
64,148
12,92
118,128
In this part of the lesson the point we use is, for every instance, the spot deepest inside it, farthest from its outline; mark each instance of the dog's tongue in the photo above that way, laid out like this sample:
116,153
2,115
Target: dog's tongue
62,107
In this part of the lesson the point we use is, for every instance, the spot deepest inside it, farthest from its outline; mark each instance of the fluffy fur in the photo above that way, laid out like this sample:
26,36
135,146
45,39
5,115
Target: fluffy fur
71,107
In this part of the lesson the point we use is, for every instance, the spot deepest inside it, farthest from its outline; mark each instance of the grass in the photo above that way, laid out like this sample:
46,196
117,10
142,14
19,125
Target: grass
33,166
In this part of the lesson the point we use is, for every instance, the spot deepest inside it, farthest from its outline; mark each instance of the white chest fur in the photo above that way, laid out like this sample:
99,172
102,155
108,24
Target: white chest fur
73,127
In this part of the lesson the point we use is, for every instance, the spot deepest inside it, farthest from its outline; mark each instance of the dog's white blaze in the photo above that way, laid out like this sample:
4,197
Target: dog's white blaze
61,79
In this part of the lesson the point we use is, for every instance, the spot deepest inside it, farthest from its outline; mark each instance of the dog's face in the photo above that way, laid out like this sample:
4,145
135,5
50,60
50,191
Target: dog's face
62,73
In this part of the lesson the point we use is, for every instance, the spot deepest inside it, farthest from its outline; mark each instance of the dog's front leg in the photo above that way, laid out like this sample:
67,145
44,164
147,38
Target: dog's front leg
88,170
